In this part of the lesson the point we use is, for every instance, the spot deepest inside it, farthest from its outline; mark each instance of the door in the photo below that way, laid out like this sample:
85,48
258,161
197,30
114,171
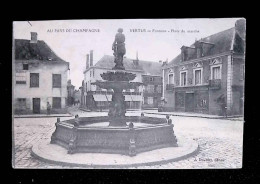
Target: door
56,103
36,105
155,102
189,102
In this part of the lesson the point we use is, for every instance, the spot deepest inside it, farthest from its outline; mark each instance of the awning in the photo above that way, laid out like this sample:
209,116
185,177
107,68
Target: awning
100,98
109,97
128,98
136,98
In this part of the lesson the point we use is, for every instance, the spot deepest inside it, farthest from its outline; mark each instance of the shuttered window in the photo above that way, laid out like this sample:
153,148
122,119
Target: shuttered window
56,80
197,77
216,73
34,79
20,77
183,78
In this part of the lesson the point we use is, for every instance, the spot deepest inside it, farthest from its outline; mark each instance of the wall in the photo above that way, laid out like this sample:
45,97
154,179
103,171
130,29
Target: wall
238,86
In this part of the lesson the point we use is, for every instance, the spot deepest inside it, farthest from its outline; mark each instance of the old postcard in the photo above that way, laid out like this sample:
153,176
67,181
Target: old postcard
128,93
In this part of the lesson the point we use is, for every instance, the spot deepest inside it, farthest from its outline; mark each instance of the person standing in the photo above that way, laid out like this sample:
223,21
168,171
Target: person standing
48,108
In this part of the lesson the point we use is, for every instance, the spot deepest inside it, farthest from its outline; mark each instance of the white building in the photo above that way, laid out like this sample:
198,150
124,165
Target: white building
40,77
100,98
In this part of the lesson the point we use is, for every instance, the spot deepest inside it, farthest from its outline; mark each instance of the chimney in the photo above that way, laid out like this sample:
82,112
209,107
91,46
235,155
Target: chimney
33,37
136,61
198,46
87,62
240,27
91,58
183,53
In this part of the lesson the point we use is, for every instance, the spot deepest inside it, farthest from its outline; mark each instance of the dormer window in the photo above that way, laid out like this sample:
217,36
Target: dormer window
202,48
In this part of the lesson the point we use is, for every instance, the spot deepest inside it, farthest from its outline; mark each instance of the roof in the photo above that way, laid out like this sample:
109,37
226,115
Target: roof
24,50
148,67
222,42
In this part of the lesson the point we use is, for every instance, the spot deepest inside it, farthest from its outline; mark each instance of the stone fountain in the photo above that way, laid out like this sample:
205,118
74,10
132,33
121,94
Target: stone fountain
115,133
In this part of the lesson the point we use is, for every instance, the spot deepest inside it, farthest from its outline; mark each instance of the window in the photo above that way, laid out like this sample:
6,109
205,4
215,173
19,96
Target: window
150,100
34,79
56,102
197,76
25,66
183,78
20,78
151,79
216,72
150,88
21,103
171,79
145,100
56,80
159,88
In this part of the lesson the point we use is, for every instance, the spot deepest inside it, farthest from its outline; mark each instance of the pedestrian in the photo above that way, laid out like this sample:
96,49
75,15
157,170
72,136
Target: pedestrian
48,108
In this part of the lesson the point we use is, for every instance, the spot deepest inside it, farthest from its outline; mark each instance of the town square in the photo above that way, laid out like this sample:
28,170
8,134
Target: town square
93,102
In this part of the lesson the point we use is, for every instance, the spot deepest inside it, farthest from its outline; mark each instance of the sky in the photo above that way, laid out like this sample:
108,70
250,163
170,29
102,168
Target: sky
72,40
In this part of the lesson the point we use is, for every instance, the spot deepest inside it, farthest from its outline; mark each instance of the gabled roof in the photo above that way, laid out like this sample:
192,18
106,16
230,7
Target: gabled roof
148,67
221,42
24,50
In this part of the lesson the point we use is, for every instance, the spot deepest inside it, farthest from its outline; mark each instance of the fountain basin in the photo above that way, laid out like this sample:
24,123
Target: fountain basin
94,135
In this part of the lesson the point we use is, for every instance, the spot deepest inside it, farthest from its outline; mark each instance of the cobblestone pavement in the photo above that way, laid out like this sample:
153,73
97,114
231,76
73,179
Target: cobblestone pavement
220,141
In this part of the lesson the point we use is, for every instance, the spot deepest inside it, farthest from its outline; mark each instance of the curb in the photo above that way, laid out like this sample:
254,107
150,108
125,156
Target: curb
121,166
216,117
68,115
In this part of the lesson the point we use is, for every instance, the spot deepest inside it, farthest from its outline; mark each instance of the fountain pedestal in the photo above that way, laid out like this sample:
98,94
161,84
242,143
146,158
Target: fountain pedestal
118,81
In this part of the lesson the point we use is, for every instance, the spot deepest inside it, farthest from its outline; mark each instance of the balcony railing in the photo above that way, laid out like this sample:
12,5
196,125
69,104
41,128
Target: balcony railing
169,87
215,83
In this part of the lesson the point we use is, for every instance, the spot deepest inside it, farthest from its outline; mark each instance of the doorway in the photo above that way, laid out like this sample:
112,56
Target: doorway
36,105
189,102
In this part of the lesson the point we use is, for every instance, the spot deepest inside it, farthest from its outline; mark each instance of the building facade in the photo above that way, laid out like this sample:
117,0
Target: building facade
97,98
71,93
40,77
152,92
208,76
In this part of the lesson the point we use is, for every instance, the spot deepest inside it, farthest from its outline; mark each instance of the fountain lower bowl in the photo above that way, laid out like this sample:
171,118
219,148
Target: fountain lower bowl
94,135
